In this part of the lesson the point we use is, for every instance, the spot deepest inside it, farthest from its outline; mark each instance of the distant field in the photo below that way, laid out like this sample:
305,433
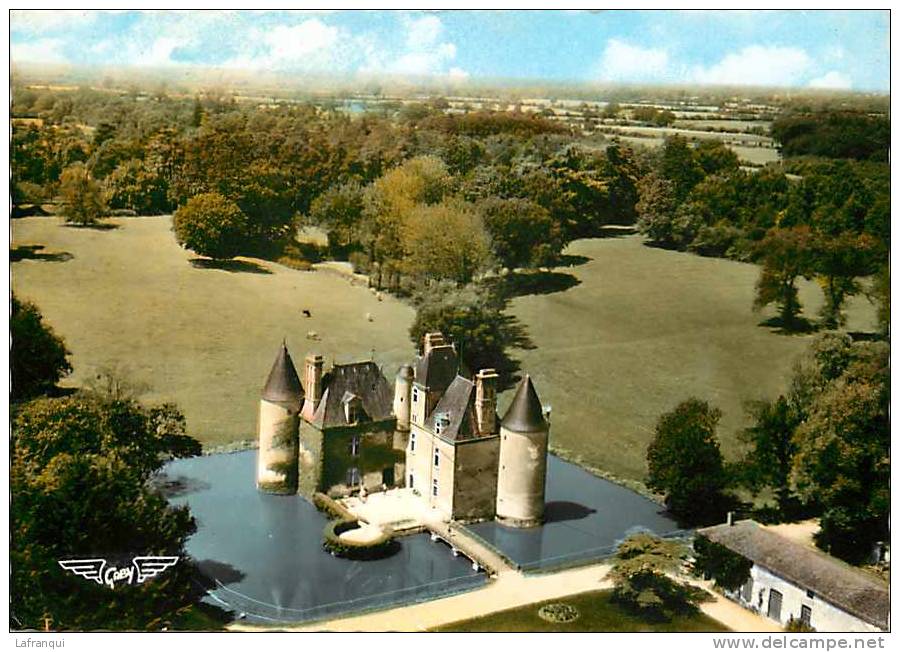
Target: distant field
754,155
644,329
204,338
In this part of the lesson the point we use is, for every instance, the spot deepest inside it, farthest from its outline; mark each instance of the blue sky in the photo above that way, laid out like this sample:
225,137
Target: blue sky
849,49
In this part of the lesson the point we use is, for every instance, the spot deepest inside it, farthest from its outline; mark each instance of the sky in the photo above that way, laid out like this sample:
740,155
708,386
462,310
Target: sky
809,48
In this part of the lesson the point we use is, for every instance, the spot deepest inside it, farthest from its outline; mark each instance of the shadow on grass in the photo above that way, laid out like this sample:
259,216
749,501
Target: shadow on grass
523,284
557,511
96,226
862,336
572,260
234,266
797,326
36,252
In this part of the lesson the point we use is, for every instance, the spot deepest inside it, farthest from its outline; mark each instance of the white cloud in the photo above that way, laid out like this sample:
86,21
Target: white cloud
44,50
624,62
757,65
832,79
293,44
423,32
457,73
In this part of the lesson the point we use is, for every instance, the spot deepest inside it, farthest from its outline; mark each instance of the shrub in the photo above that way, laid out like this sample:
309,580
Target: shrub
211,225
558,612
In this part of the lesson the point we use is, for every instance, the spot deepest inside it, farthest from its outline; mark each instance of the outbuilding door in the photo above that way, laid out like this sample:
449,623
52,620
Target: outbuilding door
774,605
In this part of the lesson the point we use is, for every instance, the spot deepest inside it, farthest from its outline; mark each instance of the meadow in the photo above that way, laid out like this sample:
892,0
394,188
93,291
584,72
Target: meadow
637,330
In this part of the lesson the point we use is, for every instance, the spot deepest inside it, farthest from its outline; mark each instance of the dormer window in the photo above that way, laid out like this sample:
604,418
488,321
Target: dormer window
441,423
352,408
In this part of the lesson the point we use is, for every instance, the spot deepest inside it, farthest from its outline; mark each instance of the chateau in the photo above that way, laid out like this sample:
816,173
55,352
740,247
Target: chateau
437,434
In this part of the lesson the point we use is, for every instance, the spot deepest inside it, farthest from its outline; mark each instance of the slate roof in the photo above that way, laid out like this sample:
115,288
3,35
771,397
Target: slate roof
437,370
363,380
283,384
848,588
525,413
458,404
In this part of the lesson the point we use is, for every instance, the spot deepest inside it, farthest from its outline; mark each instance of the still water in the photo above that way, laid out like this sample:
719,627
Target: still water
264,553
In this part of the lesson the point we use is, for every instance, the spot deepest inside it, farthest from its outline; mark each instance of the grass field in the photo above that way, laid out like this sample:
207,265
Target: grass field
596,614
129,299
639,330
645,328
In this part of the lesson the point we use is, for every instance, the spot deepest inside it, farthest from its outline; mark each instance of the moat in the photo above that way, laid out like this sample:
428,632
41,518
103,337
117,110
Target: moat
263,553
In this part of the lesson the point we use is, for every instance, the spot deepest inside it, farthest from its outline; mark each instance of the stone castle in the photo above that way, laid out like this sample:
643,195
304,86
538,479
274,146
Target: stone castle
437,433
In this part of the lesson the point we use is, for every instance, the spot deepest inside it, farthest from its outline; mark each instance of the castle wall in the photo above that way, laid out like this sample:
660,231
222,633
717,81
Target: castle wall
521,477
310,460
276,462
475,484
339,461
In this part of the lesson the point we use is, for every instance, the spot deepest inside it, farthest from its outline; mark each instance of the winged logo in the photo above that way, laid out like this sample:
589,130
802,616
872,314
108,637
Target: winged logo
149,567
89,569
100,571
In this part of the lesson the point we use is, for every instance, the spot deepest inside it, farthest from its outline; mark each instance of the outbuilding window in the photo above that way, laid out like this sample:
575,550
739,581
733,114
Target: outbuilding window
806,615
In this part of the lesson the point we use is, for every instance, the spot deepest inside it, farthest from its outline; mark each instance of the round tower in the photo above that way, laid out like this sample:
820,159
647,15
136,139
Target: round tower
402,392
522,472
279,406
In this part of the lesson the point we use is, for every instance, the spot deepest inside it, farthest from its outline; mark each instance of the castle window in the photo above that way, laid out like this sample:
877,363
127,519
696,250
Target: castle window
412,442
415,395
352,476
434,487
354,446
437,457
412,481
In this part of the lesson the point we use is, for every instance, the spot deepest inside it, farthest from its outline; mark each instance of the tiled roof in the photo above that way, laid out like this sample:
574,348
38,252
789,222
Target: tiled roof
844,586
283,384
364,381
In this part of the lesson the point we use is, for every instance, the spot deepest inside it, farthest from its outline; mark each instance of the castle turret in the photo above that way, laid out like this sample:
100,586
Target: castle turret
279,407
522,474
402,396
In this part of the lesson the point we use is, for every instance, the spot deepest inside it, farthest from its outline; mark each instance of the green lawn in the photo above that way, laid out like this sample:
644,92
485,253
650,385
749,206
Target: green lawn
205,338
597,614
643,329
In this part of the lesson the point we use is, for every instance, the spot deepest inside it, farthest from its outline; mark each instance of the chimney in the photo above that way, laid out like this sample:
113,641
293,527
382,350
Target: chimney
313,379
486,400
432,340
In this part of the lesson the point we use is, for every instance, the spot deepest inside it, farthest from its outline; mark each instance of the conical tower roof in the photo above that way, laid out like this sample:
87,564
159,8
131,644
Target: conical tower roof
525,413
283,384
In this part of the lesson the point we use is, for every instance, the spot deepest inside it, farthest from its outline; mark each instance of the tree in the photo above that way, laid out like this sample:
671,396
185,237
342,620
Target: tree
132,186
770,457
78,479
685,462
38,357
641,577
728,569
656,208
678,163
475,321
522,233
339,211
210,225
786,255
842,462
83,201
839,261
445,241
